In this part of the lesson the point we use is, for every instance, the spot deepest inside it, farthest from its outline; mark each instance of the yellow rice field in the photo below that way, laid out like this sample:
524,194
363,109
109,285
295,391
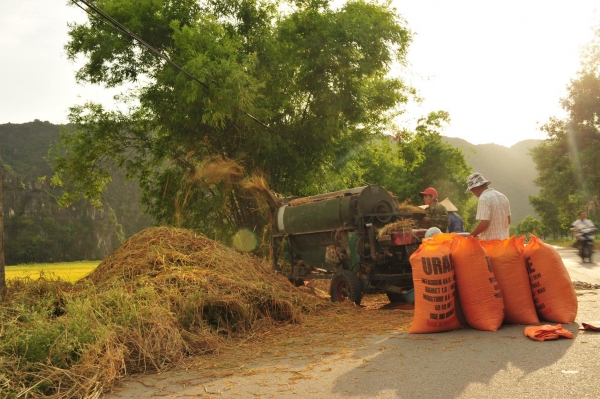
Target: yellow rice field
67,271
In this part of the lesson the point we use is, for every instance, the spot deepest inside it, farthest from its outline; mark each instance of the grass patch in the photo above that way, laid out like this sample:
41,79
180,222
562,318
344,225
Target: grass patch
561,242
66,271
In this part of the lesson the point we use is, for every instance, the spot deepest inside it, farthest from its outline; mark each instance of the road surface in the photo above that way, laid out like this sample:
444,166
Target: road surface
465,364
579,271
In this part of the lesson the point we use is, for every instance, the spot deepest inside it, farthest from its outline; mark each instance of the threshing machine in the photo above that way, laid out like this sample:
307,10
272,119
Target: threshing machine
337,236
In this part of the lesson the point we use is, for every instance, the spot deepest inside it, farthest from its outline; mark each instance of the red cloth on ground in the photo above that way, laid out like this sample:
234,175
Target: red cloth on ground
542,333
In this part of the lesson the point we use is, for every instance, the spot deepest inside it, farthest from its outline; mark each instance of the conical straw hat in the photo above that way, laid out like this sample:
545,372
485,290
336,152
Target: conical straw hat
449,205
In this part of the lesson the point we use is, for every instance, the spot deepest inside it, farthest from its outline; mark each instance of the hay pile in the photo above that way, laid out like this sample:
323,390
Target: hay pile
405,208
164,295
402,224
310,200
203,281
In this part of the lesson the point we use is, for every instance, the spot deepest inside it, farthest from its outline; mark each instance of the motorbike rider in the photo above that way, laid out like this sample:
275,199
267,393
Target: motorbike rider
578,227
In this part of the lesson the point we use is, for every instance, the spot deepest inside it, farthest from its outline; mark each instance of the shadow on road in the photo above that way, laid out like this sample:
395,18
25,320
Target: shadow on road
444,364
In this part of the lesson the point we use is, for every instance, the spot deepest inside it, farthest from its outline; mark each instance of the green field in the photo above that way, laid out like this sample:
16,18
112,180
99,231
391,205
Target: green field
67,271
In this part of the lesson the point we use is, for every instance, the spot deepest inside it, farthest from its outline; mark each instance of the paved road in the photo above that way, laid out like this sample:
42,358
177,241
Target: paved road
579,271
465,363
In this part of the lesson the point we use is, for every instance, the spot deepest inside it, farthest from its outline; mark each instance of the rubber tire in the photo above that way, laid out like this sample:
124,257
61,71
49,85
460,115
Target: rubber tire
590,251
345,285
297,282
586,252
395,297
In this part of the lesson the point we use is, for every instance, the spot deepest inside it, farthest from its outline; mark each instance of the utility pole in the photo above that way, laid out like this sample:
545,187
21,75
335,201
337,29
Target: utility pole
2,271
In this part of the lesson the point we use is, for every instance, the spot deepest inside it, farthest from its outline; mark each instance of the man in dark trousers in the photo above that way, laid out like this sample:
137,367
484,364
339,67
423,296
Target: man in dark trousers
456,224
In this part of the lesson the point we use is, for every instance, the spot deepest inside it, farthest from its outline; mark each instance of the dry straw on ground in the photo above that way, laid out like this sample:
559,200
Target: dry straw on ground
165,294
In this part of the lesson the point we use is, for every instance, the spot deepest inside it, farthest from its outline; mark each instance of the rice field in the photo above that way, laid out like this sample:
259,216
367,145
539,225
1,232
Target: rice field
66,271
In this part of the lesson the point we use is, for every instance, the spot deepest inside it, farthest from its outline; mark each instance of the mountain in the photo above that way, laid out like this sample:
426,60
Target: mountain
511,171
36,228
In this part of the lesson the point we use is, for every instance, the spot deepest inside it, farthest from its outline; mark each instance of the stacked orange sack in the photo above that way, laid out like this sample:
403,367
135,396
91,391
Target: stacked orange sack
553,293
478,290
509,268
435,289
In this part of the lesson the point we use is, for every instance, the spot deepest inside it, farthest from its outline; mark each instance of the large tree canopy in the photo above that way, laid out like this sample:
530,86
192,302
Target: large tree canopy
297,92
568,161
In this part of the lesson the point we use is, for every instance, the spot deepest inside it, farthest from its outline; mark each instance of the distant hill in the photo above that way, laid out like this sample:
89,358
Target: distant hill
36,228
511,171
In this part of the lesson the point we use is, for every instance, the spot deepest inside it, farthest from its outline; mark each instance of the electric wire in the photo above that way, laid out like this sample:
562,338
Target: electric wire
125,30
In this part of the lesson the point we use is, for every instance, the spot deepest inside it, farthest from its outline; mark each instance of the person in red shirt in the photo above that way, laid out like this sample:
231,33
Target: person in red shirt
436,214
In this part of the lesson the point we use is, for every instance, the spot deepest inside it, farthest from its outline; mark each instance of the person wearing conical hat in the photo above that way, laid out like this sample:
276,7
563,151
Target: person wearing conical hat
455,222
493,209
436,215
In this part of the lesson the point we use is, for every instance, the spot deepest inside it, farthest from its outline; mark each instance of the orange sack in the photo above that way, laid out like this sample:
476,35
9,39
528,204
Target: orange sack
478,290
509,268
435,289
553,293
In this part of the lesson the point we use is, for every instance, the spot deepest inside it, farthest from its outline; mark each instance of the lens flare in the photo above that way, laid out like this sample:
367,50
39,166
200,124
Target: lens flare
245,240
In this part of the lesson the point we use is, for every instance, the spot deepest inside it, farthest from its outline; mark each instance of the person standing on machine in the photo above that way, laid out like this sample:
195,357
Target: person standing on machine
436,214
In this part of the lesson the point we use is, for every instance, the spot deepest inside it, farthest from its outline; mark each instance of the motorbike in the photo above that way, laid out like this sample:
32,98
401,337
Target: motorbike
585,241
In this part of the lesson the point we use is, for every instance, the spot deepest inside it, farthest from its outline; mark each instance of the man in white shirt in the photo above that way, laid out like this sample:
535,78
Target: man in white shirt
577,228
493,209
581,223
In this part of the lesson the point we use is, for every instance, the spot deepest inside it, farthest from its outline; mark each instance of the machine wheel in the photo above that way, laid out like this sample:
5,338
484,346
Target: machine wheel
298,282
394,297
586,251
383,207
345,286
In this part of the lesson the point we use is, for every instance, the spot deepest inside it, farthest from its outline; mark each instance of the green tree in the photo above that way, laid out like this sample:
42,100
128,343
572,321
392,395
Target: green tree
407,163
567,162
529,226
315,78
429,162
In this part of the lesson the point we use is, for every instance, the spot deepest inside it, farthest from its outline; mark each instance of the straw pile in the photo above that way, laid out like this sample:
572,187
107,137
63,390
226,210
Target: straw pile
164,295
204,281
402,224
309,200
405,208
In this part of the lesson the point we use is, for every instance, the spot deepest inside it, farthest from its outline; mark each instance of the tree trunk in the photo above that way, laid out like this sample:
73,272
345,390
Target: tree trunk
2,273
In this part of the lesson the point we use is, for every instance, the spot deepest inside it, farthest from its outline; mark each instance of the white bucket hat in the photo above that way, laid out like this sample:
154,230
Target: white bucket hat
432,231
475,180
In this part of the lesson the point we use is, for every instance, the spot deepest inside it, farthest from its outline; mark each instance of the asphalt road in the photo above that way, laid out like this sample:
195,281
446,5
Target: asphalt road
579,271
465,363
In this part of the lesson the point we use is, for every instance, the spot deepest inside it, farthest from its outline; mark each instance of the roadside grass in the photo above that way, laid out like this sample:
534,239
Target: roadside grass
66,271
568,242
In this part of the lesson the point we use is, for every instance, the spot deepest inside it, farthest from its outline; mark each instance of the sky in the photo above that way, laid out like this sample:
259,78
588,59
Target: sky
499,68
